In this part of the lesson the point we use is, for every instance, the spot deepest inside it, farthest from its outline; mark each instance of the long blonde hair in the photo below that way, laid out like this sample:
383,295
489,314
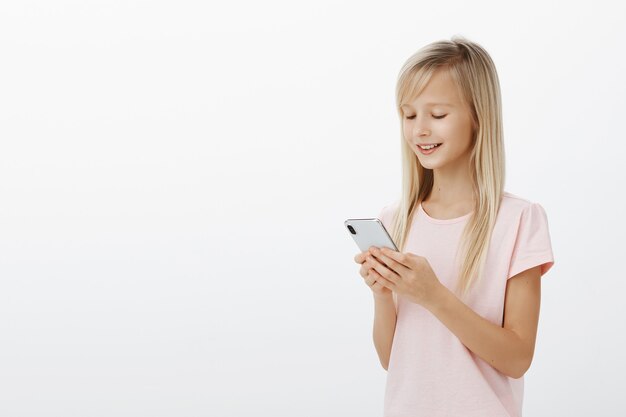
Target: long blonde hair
475,75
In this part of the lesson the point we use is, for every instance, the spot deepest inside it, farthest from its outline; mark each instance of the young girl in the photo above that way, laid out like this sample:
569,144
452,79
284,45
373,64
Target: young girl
456,309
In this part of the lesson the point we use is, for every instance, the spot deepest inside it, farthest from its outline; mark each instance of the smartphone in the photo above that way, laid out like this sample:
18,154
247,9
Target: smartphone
369,232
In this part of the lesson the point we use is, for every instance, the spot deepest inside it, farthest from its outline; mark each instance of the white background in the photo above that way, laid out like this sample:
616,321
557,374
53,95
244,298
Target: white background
174,177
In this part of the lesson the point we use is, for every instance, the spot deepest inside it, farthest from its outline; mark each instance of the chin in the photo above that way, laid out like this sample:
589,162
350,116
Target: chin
429,164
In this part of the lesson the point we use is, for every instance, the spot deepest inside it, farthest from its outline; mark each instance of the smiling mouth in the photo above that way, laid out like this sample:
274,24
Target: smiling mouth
430,150
427,147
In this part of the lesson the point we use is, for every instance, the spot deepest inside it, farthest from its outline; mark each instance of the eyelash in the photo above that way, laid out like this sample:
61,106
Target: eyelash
436,117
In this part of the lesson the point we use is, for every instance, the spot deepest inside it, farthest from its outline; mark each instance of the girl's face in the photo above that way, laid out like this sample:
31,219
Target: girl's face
438,116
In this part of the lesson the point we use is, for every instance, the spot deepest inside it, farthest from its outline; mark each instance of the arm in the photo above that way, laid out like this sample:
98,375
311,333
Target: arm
384,327
509,348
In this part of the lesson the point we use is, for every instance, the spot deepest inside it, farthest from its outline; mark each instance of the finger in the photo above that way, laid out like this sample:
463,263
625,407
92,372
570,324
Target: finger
395,258
388,274
360,257
384,282
369,278
377,287
389,263
392,265
364,270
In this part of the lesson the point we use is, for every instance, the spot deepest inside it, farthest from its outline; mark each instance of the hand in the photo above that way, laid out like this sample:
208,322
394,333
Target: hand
407,274
370,276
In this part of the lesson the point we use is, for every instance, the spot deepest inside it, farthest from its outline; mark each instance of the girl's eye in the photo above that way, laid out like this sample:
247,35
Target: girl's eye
436,117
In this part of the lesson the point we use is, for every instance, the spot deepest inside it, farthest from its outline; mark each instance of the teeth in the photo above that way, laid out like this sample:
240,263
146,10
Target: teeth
428,147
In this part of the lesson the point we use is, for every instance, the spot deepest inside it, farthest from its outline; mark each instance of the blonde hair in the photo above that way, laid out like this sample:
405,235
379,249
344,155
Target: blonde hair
475,75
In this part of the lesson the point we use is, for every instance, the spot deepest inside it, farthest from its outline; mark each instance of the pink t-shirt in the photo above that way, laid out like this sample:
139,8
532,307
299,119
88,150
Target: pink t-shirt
431,373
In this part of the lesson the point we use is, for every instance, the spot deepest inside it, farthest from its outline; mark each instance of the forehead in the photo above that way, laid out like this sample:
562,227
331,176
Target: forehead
441,90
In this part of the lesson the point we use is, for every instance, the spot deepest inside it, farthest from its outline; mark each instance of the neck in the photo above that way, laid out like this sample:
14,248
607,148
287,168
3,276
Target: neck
452,185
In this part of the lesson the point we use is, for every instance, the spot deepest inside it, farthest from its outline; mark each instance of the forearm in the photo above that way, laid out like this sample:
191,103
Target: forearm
501,348
384,327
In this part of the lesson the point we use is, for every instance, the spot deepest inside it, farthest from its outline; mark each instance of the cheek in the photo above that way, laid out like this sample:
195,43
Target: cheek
406,128
448,129
456,132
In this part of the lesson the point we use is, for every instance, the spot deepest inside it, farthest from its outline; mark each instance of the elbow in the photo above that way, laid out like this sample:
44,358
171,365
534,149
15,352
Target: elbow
520,363
521,368
517,374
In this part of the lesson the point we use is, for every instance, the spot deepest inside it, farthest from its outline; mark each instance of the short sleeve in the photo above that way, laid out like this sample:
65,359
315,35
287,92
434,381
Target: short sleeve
532,244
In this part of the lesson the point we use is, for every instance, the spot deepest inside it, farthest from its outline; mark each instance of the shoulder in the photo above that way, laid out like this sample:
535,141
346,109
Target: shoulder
516,212
513,202
525,222
514,206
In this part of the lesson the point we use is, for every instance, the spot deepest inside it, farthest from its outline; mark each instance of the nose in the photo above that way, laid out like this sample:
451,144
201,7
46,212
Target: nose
419,130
